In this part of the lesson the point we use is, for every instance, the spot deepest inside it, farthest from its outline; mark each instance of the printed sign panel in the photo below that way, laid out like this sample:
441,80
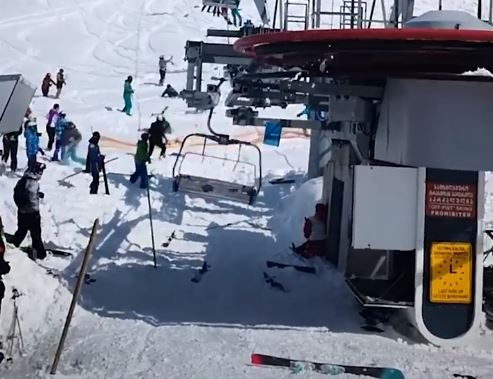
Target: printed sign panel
450,200
451,272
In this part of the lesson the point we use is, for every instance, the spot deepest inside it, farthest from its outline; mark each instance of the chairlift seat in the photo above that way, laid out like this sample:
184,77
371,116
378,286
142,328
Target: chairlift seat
215,188
230,4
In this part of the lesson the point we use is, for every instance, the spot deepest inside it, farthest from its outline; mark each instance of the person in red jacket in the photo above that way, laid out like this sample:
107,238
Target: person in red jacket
315,232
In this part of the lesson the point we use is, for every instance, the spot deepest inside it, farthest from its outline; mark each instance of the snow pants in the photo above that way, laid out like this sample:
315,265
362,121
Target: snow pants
30,222
95,181
58,147
10,149
128,104
140,172
160,144
162,76
51,136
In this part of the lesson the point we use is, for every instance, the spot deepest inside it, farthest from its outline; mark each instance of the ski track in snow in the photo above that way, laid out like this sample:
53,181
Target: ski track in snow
138,322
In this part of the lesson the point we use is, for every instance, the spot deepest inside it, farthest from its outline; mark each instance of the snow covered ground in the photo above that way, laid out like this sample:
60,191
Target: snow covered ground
139,322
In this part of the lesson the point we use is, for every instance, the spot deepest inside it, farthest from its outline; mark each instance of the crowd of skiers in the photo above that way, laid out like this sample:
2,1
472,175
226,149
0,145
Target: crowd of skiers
223,11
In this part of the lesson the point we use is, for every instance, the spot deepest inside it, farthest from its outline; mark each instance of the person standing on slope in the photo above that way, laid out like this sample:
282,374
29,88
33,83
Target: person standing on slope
163,63
60,126
32,142
10,148
141,158
46,84
127,96
26,197
60,82
52,118
156,136
93,163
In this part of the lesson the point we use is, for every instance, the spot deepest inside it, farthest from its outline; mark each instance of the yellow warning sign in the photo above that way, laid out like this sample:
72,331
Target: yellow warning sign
451,272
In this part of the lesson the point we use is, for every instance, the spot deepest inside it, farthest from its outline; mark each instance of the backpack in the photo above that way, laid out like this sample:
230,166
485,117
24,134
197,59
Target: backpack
21,195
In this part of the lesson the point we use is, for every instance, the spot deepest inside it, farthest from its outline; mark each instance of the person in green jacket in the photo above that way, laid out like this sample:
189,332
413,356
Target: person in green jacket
127,96
141,158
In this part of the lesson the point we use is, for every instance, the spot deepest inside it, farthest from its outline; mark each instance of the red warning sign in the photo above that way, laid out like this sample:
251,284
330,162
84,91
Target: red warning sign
451,200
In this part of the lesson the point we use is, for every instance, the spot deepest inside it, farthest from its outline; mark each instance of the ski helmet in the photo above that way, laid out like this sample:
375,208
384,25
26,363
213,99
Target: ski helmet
159,118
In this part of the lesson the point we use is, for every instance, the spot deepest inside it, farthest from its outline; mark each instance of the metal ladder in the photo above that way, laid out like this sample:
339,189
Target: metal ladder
353,14
296,12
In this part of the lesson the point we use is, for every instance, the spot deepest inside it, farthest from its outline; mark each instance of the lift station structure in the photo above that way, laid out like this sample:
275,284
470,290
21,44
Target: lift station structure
400,131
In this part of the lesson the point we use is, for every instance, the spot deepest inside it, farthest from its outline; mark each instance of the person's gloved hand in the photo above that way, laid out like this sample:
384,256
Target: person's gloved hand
41,195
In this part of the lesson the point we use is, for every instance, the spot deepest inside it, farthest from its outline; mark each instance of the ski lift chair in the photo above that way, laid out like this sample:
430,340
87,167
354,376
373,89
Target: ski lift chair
230,4
217,188
207,186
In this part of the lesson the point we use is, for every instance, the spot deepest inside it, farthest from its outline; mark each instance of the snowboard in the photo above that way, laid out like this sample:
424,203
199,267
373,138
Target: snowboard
305,269
298,366
282,181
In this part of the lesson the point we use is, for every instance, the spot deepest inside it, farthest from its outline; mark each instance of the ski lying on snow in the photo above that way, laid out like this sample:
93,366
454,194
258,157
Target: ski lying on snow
171,237
282,181
59,252
326,368
306,269
271,280
200,272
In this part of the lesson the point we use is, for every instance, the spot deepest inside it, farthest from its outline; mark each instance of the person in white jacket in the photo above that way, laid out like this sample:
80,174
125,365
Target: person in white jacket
163,64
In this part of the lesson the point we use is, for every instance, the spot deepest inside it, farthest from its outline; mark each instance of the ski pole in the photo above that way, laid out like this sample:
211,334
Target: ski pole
150,221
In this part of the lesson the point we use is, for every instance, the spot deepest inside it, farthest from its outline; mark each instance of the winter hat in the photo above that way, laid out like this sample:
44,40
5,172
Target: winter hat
159,117
144,136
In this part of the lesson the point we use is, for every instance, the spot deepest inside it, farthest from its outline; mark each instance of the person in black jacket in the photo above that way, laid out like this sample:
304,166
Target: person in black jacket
26,197
157,134
10,147
4,265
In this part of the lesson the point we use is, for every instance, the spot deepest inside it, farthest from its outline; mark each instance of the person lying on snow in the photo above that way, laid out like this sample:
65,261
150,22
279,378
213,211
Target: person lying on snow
170,91
315,232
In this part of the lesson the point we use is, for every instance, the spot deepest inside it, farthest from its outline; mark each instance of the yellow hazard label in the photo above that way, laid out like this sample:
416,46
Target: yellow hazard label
451,272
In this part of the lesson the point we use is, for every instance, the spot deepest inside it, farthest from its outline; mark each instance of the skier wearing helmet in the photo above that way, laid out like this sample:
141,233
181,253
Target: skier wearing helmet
163,63
141,158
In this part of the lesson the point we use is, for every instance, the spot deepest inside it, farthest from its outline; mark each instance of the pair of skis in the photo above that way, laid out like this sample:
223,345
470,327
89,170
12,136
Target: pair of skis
299,366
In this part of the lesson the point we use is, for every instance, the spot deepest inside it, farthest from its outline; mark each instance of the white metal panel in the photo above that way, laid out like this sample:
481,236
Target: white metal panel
13,111
384,208
442,124
7,85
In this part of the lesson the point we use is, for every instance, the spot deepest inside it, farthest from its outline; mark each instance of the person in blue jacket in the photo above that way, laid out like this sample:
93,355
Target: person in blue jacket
32,142
127,96
60,126
93,165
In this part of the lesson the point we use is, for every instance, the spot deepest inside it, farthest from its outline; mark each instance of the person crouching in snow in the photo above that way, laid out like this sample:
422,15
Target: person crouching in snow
127,96
32,142
141,158
315,231
71,138
169,91
60,126
156,136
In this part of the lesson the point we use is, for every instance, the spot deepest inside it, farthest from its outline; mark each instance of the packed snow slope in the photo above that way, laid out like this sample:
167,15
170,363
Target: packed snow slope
136,321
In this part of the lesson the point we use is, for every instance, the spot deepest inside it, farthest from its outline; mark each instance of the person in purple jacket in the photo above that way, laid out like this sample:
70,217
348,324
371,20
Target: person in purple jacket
52,117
